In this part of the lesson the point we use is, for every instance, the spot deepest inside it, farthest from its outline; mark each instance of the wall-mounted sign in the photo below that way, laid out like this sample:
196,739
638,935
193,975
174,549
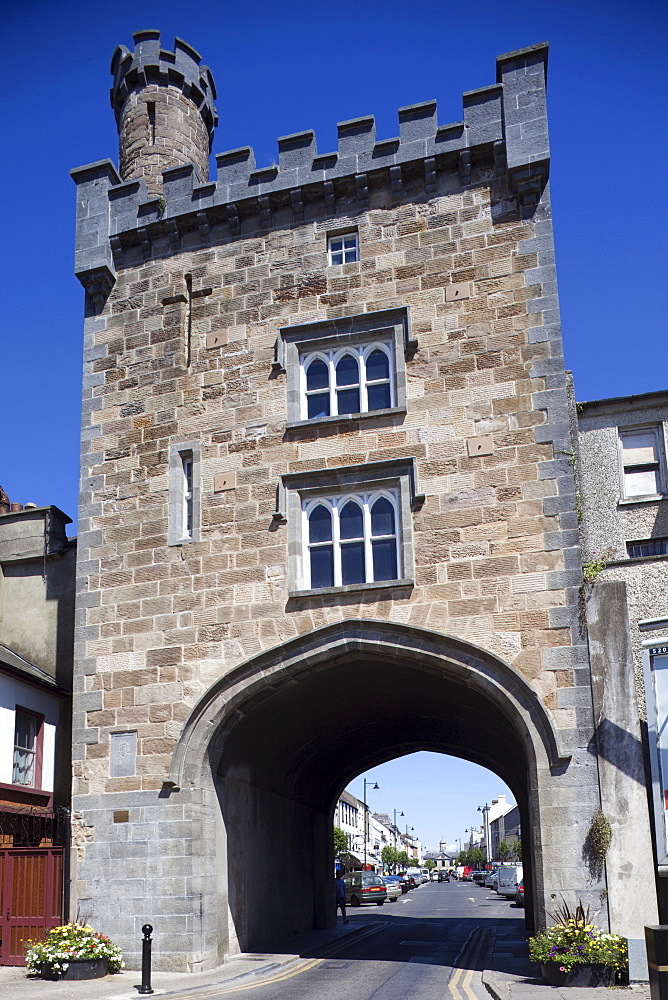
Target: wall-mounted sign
655,659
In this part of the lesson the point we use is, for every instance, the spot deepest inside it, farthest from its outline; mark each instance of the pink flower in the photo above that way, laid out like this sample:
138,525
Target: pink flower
562,968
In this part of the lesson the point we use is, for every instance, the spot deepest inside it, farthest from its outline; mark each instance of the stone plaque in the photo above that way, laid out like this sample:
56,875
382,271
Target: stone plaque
480,445
216,338
455,292
224,481
123,755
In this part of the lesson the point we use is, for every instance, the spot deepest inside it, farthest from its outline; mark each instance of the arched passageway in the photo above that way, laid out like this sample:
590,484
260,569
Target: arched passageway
285,733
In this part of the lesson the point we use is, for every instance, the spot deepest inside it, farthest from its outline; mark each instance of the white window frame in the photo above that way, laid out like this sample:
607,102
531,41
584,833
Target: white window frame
349,250
655,430
388,329
184,493
331,358
335,504
187,495
299,492
648,541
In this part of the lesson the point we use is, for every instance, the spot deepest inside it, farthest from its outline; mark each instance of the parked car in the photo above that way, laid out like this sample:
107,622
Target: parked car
393,886
478,877
491,879
418,875
519,894
443,875
364,887
409,880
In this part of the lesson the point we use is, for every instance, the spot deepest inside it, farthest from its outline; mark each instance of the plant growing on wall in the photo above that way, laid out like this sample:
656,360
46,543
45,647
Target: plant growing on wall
598,841
593,567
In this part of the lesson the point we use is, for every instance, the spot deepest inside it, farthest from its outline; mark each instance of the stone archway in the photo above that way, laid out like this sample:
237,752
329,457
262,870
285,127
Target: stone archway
272,744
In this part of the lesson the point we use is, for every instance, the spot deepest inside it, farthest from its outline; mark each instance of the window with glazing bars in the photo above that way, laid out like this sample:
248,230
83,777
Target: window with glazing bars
343,382
343,249
641,458
647,548
351,539
25,769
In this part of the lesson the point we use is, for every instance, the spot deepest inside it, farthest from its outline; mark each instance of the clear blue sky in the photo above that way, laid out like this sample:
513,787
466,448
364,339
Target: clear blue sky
281,68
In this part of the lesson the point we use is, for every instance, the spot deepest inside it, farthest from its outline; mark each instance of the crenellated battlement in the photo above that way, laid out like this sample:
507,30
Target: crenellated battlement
150,63
504,123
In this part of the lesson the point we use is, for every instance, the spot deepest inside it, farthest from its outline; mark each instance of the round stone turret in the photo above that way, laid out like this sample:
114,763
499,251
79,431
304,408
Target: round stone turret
163,102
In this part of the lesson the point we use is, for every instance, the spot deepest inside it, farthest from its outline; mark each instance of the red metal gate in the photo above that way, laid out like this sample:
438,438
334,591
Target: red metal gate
30,893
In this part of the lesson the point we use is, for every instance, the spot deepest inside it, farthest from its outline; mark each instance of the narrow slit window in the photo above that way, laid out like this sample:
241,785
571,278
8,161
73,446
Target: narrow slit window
647,548
187,469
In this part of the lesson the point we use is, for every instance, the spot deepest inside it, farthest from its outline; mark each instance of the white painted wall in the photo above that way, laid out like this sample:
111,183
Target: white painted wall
12,693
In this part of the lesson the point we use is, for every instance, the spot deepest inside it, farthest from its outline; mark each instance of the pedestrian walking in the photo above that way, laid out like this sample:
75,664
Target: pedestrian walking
340,896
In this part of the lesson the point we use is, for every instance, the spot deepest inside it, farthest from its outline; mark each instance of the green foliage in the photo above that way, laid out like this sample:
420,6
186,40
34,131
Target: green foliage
593,567
474,858
575,941
389,856
340,843
517,848
598,841
71,943
403,861
430,863
504,850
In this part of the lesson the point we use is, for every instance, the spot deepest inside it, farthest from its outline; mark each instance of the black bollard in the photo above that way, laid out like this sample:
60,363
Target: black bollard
656,942
145,987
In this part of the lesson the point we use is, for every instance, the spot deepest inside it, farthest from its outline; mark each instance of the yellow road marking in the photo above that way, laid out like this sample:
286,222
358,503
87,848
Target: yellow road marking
463,975
217,991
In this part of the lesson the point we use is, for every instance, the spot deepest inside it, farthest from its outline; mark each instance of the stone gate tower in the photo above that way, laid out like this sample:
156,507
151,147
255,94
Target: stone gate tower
325,460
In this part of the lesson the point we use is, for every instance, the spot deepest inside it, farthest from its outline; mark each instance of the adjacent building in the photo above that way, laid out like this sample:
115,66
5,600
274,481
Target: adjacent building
623,497
37,576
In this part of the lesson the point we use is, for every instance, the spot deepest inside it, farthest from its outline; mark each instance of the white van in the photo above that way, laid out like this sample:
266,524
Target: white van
508,877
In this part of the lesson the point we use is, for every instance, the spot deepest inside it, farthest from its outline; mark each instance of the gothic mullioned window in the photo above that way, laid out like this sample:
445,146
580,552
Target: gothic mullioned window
349,368
343,382
351,539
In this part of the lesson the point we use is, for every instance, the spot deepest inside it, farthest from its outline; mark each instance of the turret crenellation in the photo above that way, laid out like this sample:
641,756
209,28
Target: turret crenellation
163,102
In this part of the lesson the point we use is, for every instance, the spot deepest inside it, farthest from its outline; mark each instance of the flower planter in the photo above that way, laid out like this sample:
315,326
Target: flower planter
87,968
582,974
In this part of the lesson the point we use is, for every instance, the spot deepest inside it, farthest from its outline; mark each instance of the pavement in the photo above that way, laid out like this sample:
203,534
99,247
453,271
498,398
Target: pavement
504,969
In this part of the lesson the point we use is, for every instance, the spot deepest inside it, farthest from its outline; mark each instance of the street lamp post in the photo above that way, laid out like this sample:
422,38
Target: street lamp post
485,825
394,824
375,786
410,837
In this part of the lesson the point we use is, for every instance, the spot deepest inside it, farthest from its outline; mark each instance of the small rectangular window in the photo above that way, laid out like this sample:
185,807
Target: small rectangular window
647,548
641,457
27,763
343,249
